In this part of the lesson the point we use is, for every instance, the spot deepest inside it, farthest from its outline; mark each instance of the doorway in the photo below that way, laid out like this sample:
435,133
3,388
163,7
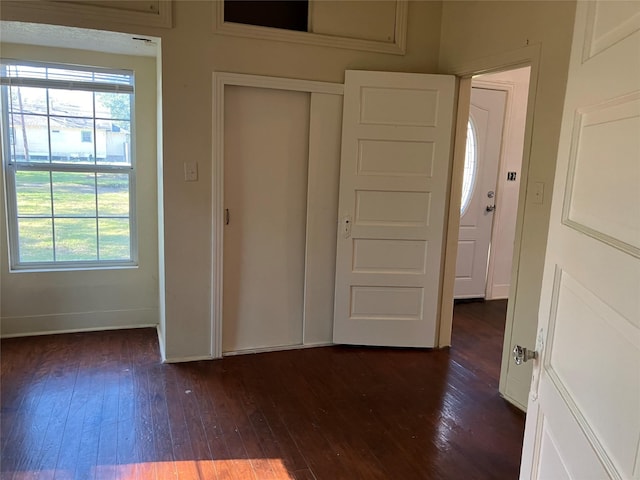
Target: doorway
493,163
478,202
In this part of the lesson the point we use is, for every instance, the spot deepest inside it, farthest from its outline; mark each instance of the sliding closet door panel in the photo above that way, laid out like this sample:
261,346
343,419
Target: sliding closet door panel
265,192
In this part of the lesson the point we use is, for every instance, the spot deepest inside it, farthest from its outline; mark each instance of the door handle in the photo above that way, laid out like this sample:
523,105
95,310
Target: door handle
227,217
346,226
522,354
490,208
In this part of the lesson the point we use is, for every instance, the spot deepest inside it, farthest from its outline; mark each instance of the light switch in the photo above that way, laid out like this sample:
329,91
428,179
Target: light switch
538,192
190,171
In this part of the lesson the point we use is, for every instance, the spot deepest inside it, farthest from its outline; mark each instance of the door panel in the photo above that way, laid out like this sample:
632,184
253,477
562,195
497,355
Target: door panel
486,113
265,169
396,142
585,396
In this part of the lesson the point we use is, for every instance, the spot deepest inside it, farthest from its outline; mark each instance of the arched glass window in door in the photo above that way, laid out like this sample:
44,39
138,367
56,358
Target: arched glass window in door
470,167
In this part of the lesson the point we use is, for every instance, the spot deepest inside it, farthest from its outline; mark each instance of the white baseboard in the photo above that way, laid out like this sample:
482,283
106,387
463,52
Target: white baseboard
77,322
195,358
499,292
163,356
278,348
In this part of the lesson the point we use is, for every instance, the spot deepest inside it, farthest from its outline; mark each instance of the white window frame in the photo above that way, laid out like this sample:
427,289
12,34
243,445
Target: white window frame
10,167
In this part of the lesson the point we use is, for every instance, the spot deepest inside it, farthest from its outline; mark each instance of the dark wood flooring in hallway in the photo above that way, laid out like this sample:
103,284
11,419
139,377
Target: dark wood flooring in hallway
101,405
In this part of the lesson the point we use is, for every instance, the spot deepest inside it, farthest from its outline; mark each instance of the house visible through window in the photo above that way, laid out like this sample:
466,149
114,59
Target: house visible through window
86,136
69,170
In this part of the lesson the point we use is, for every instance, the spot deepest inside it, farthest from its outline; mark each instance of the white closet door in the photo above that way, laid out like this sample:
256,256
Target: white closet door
265,178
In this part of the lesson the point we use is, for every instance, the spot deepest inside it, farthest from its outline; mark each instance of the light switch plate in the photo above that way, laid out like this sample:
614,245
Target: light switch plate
190,171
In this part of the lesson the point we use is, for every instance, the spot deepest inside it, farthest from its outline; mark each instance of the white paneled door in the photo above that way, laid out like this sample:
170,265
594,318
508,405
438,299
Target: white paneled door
396,143
583,419
484,139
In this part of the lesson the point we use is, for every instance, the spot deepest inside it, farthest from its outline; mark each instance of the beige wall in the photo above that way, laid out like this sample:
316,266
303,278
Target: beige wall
58,301
190,53
473,34
479,35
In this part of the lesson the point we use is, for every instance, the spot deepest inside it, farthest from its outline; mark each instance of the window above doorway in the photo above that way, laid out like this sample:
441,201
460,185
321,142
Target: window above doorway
371,26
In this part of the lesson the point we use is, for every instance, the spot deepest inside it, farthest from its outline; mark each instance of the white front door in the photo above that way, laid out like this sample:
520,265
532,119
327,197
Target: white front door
484,140
583,419
396,142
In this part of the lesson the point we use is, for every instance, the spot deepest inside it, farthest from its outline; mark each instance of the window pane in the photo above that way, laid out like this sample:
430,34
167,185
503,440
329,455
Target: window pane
76,239
72,140
30,138
67,215
113,195
116,106
114,239
36,244
29,100
71,103
470,167
74,194
113,145
286,14
67,74
33,192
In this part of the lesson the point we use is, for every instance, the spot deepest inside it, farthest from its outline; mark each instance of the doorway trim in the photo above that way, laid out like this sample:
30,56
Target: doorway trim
526,56
220,81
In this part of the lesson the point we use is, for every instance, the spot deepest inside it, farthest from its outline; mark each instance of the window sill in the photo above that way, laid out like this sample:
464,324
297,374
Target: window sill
61,269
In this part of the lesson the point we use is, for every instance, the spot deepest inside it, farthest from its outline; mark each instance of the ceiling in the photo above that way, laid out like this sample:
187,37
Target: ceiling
79,38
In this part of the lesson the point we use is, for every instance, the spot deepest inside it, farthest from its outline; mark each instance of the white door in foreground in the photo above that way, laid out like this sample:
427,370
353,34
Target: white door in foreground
484,139
583,419
396,140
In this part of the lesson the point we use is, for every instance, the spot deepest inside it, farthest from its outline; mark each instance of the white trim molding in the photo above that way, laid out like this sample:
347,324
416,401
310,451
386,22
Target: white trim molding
220,80
277,349
397,47
43,11
49,324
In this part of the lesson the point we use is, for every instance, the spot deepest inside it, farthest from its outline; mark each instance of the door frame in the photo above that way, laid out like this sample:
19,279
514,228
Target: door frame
220,81
526,56
509,89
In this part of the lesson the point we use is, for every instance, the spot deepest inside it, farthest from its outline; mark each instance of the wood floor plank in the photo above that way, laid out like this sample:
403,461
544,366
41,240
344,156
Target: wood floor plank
165,461
102,406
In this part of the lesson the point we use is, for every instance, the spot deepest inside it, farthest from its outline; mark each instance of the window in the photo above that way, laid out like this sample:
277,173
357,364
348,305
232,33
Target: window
470,167
287,14
69,168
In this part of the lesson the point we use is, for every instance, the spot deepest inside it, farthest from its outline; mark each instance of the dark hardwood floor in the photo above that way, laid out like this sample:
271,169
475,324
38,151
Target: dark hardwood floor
100,405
